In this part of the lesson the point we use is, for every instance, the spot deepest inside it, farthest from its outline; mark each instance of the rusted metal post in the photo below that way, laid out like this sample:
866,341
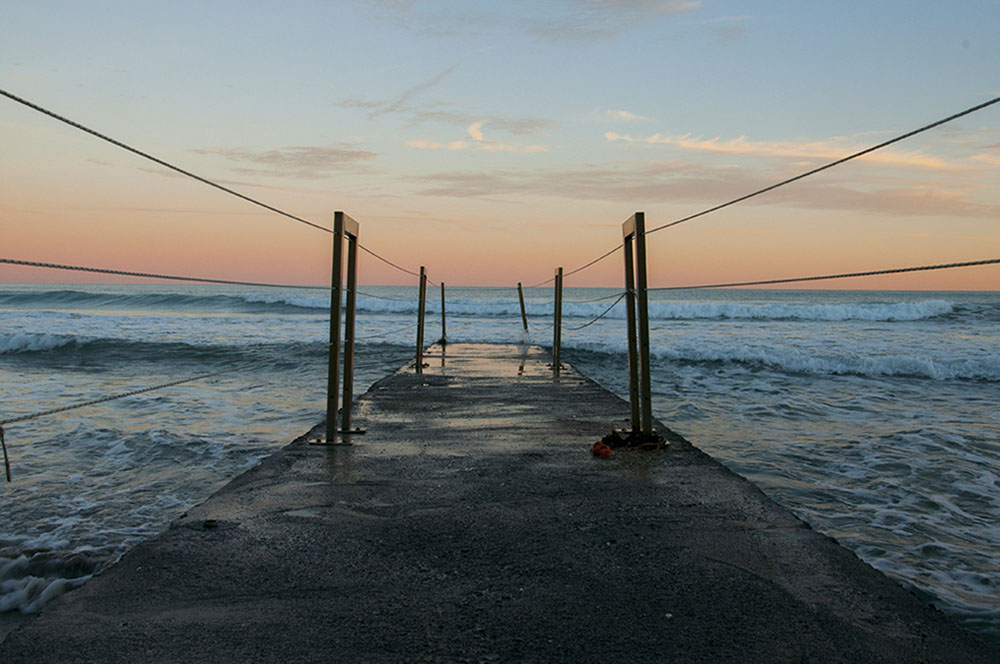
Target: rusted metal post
343,225
333,369
352,298
633,359
520,296
634,229
444,334
642,315
557,322
420,319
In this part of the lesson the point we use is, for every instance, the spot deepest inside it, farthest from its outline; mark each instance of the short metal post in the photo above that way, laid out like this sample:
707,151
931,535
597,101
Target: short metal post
420,320
520,296
352,297
633,359
336,286
642,304
444,334
557,322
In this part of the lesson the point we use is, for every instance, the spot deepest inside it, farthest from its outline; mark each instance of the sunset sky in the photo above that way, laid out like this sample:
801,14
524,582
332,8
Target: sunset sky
493,141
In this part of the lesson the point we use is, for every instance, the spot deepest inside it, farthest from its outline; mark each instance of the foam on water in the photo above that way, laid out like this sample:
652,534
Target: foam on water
873,415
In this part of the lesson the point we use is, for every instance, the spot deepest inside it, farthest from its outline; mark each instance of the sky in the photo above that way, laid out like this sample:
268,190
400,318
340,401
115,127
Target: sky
494,141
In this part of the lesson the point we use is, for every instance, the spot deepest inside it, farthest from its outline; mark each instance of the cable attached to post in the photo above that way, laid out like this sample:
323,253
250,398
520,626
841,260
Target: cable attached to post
6,460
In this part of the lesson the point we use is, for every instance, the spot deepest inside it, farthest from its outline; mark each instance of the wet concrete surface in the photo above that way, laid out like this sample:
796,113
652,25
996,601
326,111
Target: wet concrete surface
472,524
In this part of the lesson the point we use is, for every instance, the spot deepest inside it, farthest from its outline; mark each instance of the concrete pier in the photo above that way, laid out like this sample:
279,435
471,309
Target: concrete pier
472,524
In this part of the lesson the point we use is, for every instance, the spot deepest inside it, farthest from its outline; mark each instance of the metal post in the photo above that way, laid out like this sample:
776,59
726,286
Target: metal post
520,296
352,296
336,285
444,334
557,322
420,320
633,359
642,302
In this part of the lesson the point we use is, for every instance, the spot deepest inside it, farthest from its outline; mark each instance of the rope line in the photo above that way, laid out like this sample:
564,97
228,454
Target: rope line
922,268
93,402
6,459
182,171
150,275
598,299
161,162
383,297
386,334
388,262
606,312
593,262
837,162
581,268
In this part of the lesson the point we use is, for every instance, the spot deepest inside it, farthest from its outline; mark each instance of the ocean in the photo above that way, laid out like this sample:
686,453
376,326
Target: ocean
874,416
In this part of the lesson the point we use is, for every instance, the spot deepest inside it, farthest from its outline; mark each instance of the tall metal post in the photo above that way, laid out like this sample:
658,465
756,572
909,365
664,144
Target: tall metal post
520,296
352,297
444,334
557,321
336,286
633,359
420,320
635,229
642,305
343,226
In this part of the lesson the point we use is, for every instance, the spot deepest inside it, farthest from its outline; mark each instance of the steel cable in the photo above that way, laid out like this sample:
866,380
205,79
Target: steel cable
161,162
606,312
870,273
581,268
383,297
387,261
182,171
93,402
150,275
837,162
386,334
597,299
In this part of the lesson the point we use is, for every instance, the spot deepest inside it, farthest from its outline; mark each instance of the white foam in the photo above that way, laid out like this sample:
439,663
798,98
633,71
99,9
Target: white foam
25,342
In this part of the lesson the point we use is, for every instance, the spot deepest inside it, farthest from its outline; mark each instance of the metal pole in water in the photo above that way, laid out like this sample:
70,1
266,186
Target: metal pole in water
557,322
420,319
444,334
336,285
520,296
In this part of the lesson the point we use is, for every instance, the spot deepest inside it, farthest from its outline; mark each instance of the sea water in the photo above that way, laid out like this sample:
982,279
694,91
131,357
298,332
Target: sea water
874,416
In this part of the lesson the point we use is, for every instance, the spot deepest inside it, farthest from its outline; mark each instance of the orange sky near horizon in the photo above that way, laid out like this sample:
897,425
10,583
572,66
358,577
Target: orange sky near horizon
444,168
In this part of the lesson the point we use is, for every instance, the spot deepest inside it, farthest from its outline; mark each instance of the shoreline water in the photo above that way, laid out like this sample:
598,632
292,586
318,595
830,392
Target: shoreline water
871,415
435,538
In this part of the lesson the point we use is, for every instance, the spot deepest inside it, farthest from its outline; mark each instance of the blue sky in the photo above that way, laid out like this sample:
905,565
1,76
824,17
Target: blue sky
456,130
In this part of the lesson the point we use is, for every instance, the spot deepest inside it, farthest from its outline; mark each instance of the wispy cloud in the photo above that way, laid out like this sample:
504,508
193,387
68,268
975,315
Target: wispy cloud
302,161
434,145
399,103
828,149
603,19
441,112
479,141
730,29
475,131
624,116
554,21
991,159
641,183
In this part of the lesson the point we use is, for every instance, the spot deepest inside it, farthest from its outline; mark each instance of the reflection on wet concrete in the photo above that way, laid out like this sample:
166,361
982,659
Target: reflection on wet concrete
472,523
340,464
